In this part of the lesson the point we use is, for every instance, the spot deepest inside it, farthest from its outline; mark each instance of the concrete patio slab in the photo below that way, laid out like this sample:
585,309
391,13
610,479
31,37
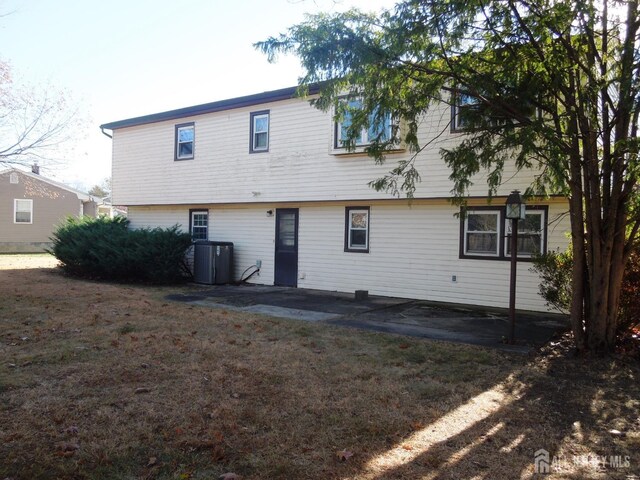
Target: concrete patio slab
449,322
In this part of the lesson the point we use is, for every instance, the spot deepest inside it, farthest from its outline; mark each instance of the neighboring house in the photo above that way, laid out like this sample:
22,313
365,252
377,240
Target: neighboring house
268,173
31,206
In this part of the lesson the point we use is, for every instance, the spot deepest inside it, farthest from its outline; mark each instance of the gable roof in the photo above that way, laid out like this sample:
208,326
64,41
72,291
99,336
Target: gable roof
85,197
221,105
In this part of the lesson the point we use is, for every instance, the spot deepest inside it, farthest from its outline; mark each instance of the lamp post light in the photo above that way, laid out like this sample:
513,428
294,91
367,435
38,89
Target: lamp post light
516,210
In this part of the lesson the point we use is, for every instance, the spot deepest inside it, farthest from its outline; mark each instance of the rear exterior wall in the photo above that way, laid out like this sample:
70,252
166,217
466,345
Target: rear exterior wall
414,249
300,165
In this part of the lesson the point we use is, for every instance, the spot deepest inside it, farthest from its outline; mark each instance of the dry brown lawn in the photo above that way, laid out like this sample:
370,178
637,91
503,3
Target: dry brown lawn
112,381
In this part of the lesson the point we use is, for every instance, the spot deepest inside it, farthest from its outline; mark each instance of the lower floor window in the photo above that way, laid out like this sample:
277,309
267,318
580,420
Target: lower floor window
530,234
22,211
486,233
199,224
356,238
481,233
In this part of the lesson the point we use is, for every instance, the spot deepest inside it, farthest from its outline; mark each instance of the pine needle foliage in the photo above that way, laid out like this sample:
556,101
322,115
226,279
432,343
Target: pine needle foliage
106,248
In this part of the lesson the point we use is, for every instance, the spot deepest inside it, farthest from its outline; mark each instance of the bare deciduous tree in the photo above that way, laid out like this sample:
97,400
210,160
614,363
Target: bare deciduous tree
34,123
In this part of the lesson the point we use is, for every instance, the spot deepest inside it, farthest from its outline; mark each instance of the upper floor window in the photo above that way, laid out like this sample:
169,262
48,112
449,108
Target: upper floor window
462,104
356,238
199,224
486,232
13,178
467,110
22,211
259,131
377,130
185,141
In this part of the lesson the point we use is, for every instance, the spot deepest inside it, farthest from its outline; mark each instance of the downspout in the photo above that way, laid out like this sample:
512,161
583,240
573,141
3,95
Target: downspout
105,133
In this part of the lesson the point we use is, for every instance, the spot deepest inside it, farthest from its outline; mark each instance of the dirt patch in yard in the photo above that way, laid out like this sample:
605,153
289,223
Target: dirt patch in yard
111,381
19,261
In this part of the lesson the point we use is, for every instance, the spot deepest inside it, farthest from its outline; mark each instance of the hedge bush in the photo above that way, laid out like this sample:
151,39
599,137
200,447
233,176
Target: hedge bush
105,248
554,269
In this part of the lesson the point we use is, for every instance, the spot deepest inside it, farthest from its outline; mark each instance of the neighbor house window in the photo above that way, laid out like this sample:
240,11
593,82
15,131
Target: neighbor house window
485,233
481,232
13,178
531,238
356,238
185,141
259,131
199,224
22,211
379,129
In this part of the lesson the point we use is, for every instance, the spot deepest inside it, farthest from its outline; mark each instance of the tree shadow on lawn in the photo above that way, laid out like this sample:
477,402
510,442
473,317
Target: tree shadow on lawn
564,405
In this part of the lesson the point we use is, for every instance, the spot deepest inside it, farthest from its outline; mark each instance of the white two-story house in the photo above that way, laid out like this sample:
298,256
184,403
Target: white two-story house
268,172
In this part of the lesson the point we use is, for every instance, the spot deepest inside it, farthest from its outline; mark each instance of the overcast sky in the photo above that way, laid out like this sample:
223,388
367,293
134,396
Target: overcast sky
124,58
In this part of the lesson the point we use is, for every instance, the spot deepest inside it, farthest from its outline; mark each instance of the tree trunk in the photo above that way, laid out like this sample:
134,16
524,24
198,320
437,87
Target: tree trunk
577,314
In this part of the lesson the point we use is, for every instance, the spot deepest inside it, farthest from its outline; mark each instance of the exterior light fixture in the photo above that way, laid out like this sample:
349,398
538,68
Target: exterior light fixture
515,206
516,210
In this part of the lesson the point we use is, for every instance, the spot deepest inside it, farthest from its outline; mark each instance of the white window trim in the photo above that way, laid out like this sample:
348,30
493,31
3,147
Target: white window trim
15,210
498,214
179,128
13,178
193,225
350,229
255,132
364,133
507,232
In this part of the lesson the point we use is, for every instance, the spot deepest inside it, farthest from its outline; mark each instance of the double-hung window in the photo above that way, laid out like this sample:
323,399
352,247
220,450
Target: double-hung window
485,232
199,224
379,126
356,236
467,109
462,105
185,141
23,211
259,131
531,238
481,232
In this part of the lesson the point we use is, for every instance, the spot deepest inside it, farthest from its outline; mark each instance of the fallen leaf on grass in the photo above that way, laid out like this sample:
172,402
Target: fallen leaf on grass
217,453
152,462
65,454
142,390
72,430
69,447
407,447
229,476
67,450
344,455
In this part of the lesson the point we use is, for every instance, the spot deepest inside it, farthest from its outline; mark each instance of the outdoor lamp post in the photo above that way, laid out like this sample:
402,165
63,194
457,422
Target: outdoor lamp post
516,210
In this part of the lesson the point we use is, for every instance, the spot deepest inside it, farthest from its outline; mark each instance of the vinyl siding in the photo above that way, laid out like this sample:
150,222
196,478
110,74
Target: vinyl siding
299,166
414,249
51,205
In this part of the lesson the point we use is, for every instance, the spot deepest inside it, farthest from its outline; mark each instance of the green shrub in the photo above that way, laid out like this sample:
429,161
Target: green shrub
106,248
630,296
554,269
